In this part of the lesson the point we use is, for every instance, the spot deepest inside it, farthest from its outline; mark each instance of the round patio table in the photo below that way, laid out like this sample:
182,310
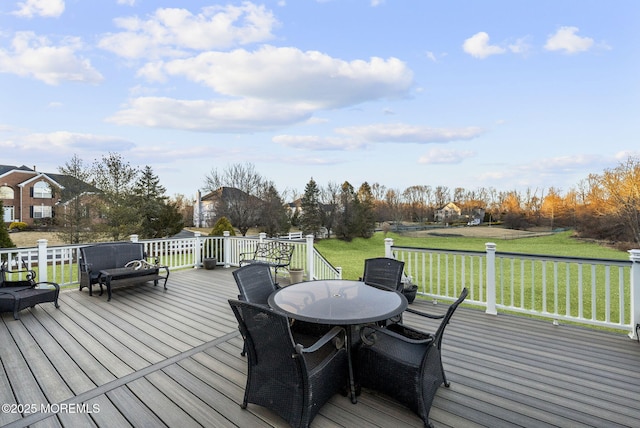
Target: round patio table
338,302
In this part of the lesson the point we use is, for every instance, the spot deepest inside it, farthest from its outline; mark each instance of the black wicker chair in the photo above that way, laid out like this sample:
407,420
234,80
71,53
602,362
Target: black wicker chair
405,363
292,380
25,292
383,272
255,283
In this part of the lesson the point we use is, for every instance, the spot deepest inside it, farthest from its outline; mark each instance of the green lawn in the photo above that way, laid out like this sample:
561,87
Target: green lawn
351,255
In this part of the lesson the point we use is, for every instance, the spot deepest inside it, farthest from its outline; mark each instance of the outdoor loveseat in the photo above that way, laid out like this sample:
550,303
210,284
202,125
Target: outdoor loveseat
118,263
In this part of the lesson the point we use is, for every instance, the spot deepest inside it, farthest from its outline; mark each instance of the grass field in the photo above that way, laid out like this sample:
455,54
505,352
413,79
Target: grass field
351,255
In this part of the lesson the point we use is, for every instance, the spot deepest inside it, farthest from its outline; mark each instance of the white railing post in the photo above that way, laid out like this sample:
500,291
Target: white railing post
388,243
262,236
226,245
310,267
197,248
634,256
133,238
42,260
491,278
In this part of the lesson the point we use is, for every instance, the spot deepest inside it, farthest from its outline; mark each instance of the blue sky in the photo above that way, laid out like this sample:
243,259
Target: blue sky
511,95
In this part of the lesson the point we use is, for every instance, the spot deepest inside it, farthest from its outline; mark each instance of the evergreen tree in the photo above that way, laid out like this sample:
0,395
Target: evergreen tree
310,218
5,240
346,221
158,217
275,220
365,214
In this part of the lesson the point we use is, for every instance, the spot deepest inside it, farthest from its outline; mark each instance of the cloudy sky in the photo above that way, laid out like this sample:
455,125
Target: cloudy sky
496,93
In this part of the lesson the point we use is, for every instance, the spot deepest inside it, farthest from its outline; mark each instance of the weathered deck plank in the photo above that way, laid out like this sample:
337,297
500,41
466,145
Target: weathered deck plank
156,358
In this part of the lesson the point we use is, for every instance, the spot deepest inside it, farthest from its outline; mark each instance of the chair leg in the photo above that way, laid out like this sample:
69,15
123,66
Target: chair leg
444,376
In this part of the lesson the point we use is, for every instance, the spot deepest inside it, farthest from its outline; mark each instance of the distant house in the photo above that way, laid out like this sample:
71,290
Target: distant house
447,213
30,196
205,207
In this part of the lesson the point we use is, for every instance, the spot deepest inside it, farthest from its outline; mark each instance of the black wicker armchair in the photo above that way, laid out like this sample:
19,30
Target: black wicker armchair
255,283
405,363
291,379
383,272
19,294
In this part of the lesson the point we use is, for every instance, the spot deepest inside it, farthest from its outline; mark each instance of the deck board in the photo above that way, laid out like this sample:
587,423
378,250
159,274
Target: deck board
151,357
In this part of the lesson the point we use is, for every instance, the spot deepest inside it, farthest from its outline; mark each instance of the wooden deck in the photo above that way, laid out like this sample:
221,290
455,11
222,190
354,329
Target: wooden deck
150,358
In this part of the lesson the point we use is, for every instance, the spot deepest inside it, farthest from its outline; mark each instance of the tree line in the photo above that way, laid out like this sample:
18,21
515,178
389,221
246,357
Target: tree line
603,206
129,200
122,200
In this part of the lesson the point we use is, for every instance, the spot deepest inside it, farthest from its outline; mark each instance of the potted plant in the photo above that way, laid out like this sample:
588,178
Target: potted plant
296,274
410,290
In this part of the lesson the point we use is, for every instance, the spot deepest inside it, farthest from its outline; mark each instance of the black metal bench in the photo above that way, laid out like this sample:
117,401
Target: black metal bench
276,254
118,263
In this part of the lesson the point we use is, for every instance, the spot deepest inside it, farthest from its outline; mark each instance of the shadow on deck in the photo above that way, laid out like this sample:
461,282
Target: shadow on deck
150,358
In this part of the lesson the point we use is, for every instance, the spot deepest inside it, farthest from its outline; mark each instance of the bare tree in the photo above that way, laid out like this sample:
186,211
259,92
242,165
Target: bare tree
74,213
621,187
115,178
242,202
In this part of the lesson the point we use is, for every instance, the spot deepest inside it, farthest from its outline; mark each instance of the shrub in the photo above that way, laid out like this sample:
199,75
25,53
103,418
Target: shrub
223,224
19,225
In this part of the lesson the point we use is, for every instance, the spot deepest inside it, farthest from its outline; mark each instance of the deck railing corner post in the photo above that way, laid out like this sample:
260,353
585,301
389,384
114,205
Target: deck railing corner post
42,260
491,278
388,243
634,301
198,249
310,248
133,238
226,245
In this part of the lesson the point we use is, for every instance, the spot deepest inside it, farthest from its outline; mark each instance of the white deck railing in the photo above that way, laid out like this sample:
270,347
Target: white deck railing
597,292
61,261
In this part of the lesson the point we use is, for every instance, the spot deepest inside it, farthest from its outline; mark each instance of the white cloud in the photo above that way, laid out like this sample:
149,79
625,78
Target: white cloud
478,46
445,156
566,39
173,32
404,133
310,80
316,143
520,46
61,142
245,115
37,57
44,8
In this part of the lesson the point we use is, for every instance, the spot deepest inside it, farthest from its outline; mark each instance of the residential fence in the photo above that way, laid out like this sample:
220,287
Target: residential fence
597,292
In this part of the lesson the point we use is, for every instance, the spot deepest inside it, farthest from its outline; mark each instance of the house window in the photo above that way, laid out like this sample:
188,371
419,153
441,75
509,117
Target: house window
42,190
42,211
6,192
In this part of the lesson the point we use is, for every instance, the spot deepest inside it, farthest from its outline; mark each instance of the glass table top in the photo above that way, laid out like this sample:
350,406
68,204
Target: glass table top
337,302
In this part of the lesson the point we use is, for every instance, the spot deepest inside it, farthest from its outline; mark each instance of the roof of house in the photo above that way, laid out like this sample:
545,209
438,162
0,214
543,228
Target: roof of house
72,185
